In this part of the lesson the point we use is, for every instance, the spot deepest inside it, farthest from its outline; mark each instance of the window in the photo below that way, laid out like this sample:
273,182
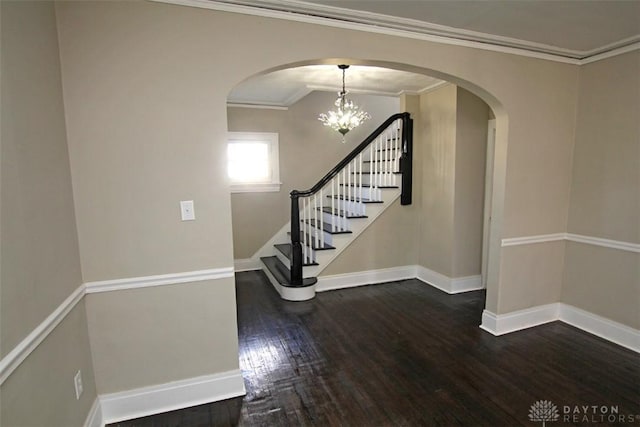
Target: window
253,162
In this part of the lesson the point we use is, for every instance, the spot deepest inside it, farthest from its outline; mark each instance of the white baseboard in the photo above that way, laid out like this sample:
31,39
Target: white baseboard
437,280
447,284
94,418
350,280
246,264
602,327
499,324
171,396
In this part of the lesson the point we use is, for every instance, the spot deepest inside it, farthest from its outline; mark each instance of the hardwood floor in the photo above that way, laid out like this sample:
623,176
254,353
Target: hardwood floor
406,354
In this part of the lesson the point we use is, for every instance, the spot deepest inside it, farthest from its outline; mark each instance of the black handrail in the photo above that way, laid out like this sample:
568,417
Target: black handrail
296,261
333,172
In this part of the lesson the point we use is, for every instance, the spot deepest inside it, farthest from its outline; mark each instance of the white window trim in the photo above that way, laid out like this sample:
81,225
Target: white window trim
274,160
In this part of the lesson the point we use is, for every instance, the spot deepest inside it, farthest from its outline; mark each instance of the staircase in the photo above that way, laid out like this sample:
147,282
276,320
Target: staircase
326,218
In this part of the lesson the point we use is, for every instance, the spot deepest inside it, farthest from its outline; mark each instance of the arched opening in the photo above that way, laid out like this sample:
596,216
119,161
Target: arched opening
489,247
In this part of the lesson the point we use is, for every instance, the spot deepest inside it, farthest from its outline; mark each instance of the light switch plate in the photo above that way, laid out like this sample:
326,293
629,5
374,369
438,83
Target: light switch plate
186,210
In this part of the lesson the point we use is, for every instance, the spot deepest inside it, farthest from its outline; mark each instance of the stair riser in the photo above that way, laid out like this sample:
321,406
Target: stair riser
326,217
364,192
335,219
383,179
283,258
291,294
349,206
311,231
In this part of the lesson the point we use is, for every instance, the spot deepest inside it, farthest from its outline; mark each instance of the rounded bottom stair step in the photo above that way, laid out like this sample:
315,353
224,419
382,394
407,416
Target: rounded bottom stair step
279,276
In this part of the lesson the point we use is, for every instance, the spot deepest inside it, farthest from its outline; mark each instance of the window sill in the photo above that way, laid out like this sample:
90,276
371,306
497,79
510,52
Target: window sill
255,188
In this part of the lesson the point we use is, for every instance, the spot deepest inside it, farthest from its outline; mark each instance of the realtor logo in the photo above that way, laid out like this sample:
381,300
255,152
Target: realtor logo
543,410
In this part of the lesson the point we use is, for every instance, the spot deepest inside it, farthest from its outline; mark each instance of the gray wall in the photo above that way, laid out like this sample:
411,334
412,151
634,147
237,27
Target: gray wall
40,265
605,191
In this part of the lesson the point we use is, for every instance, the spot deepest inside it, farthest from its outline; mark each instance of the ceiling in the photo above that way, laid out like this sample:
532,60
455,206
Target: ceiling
578,28
566,28
570,30
285,87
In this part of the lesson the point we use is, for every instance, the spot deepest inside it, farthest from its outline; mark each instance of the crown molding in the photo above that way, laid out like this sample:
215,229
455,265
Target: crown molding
337,17
358,91
433,87
260,106
611,53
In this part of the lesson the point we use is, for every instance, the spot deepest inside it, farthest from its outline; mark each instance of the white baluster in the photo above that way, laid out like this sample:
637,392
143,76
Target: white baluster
361,212
349,186
333,205
378,167
374,164
304,228
385,175
371,151
321,223
315,219
343,196
391,156
396,142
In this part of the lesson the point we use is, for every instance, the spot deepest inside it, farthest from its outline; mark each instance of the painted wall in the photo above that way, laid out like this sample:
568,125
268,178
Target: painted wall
437,137
40,265
307,152
145,87
146,336
471,152
145,132
605,192
451,152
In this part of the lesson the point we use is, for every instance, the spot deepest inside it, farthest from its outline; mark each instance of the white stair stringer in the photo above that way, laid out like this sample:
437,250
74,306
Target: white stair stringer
357,226
324,257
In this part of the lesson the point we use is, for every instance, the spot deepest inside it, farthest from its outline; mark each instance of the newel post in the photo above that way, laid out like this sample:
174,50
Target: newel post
406,160
296,248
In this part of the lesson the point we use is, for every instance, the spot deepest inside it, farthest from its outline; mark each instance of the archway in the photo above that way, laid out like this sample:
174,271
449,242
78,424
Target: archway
499,153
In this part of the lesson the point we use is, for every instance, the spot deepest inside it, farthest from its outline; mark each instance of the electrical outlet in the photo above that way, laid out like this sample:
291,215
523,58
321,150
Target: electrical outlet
77,382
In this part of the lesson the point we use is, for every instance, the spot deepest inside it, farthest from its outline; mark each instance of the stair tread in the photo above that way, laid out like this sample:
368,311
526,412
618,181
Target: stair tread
379,150
369,185
379,173
285,248
354,199
326,226
313,246
379,161
340,212
282,273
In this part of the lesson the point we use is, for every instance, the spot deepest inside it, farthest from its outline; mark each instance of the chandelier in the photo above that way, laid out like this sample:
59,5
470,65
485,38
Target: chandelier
347,116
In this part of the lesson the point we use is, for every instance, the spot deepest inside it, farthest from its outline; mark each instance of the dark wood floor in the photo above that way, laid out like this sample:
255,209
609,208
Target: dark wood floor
406,354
